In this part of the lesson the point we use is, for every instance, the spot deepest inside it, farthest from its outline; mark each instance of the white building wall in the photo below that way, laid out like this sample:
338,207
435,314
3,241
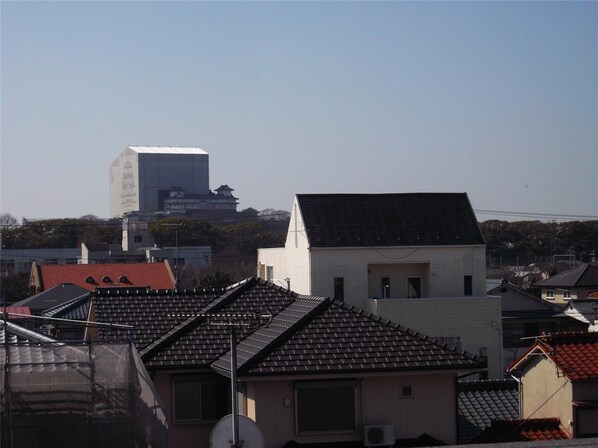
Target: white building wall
137,176
476,321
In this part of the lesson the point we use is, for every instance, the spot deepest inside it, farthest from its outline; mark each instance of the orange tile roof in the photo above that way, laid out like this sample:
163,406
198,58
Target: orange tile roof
575,354
534,429
92,276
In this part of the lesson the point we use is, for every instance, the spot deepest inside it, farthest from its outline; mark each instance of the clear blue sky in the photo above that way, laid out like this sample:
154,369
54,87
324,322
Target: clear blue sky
496,99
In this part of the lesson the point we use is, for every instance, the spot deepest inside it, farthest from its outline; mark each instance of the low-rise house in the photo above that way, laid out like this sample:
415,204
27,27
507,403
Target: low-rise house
573,284
559,379
310,369
51,297
92,276
414,258
585,311
525,316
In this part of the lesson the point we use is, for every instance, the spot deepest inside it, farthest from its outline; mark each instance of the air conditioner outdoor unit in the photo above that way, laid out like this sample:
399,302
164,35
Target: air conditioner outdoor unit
379,435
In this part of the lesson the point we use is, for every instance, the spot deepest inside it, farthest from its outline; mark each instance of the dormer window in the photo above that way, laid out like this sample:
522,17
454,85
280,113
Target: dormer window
106,279
90,280
123,279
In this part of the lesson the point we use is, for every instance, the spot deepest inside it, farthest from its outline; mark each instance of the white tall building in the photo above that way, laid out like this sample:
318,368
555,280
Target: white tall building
143,177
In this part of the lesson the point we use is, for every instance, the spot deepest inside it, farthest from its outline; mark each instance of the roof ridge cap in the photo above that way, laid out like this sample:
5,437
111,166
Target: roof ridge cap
284,334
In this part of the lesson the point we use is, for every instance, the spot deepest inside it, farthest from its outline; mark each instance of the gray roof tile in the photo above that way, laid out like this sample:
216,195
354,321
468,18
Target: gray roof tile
481,402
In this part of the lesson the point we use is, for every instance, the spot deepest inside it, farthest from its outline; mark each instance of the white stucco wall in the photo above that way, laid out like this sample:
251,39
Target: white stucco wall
546,393
475,320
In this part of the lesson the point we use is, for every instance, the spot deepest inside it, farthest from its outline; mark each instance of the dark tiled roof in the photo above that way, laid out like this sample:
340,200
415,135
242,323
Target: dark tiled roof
588,308
535,429
339,339
484,401
408,219
74,309
305,334
152,313
52,297
575,354
585,275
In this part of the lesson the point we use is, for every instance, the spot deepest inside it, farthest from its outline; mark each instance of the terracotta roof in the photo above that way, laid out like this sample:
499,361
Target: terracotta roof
536,429
575,354
92,276
407,219
305,334
481,402
585,275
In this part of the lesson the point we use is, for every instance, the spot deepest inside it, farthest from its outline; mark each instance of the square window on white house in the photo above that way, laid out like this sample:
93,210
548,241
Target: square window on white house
407,391
326,406
567,294
198,398
550,294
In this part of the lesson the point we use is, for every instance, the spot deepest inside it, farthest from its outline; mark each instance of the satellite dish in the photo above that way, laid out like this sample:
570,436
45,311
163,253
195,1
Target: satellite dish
250,435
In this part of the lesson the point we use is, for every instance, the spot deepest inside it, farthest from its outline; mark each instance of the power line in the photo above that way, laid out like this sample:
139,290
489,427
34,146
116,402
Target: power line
537,215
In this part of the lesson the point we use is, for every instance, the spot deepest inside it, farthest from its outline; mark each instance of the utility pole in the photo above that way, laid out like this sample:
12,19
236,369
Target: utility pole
234,321
176,249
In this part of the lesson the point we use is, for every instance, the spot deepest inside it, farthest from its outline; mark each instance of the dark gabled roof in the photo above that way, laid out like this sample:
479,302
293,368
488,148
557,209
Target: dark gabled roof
483,401
399,219
588,308
534,429
575,354
74,309
305,334
585,275
334,338
52,297
151,312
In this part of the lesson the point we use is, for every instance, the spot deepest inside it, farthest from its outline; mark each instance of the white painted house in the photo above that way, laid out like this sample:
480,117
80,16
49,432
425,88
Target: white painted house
415,258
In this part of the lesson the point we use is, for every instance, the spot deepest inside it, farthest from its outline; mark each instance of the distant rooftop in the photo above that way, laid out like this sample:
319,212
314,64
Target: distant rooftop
167,150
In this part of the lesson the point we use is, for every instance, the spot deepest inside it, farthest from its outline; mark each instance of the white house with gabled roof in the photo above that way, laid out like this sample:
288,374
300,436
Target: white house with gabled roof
415,258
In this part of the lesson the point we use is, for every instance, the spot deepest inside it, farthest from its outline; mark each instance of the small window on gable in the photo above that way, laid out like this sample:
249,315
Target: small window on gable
269,273
406,391
567,294
550,294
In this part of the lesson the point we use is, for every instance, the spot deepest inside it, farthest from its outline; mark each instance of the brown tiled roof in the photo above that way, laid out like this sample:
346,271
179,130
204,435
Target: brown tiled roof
305,334
92,276
399,219
575,354
535,429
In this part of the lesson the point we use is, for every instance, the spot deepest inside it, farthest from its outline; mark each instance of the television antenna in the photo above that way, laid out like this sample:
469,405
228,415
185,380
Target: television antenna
234,321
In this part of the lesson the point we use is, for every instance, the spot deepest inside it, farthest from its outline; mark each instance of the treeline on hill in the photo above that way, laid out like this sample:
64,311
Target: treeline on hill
535,238
234,246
